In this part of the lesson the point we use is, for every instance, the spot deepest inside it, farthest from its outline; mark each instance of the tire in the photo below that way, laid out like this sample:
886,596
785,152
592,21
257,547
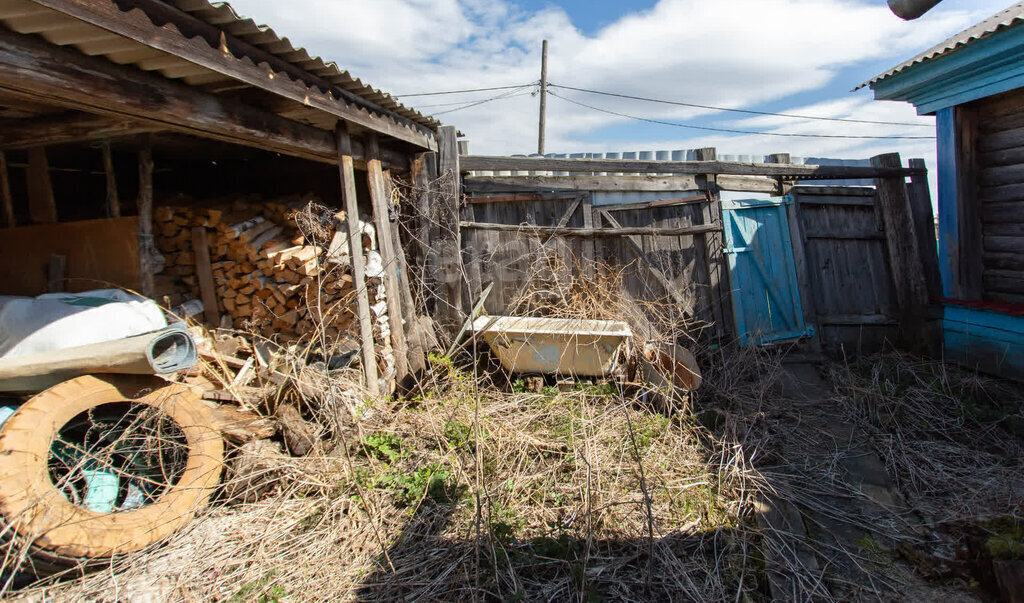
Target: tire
58,533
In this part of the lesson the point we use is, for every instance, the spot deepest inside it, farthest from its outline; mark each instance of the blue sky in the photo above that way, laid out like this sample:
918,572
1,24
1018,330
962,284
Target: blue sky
793,56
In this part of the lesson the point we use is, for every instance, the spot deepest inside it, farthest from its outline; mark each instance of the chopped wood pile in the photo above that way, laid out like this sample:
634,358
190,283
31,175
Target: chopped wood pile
280,269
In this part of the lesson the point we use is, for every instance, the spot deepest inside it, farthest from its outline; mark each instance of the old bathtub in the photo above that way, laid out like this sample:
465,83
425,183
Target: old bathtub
564,346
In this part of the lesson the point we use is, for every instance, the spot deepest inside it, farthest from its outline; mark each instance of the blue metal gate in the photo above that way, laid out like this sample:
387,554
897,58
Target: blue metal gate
765,291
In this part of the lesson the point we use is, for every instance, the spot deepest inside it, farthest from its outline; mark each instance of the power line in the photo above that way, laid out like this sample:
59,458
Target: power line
746,111
731,131
510,94
463,91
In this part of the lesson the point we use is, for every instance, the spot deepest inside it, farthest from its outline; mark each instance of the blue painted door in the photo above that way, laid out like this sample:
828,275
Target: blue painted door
765,291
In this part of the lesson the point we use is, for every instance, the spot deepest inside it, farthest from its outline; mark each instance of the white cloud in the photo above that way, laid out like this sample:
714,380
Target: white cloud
736,53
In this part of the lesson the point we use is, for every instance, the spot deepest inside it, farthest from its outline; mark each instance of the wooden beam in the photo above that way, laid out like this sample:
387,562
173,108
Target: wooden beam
620,231
449,243
508,184
719,290
748,184
113,202
924,228
66,128
385,241
148,262
904,254
5,193
41,205
35,70
414,336
505,198
350,201
802,172
204,274
213,53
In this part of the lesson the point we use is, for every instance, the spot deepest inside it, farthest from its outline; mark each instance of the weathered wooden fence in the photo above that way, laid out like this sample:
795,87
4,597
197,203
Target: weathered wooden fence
864,256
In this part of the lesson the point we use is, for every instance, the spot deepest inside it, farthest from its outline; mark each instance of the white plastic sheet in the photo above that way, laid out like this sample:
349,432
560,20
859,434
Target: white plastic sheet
58,321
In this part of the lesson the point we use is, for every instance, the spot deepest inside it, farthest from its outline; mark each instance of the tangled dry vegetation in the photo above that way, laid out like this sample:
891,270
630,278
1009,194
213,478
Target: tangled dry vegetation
470,490
473,488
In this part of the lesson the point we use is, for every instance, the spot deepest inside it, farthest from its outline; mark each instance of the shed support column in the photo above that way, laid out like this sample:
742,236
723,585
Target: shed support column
904,255
41,206
385,240
449,243
113,203
150,261
346,169
5,193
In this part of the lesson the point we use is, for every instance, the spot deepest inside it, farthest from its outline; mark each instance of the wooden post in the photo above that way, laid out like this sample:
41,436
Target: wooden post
113,203
904,254
924,227
5,193
718,275
589,244
147,250
798,240
784,158
57,271
41,206
346,169
413,336
449,241
382,219
204,274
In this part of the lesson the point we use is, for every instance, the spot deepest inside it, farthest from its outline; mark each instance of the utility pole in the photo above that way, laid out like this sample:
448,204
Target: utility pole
543,96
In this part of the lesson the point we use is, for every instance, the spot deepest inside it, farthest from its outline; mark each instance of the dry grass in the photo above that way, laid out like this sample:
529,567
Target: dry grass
475,489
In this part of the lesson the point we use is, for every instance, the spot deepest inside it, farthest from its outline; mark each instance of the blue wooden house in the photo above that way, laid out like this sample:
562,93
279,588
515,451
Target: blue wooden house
974,84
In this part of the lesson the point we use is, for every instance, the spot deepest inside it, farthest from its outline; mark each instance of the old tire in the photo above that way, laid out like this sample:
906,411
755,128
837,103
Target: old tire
59,533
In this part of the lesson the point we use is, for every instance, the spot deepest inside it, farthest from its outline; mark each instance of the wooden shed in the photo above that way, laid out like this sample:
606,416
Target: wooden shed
113,110
974,84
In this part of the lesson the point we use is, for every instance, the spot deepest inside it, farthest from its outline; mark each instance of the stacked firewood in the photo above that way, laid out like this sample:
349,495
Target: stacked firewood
270,277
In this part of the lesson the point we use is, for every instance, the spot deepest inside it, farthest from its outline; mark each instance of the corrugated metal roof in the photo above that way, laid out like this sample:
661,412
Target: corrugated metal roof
1010,17
224,16
251,44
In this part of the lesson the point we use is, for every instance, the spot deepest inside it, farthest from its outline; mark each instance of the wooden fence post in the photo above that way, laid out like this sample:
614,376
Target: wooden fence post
904,254
449,241
346,169
924,227
718,276
385,241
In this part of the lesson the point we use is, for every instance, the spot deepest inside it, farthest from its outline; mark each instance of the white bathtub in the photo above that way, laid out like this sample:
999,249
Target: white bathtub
563,346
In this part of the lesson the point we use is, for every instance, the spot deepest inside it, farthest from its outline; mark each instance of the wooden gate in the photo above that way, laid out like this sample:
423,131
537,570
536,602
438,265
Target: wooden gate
766,293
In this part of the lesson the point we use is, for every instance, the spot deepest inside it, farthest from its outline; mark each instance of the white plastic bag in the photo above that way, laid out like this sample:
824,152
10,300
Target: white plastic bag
55,321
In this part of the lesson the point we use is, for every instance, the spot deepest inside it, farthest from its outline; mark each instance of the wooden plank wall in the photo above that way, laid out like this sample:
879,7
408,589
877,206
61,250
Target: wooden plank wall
100,254
1000,194
851,291
511,260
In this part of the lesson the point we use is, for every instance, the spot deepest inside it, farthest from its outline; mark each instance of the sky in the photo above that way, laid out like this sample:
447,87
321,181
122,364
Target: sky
800,57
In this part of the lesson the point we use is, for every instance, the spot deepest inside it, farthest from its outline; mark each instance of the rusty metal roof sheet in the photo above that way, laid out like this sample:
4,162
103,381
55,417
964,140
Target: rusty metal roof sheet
1005,19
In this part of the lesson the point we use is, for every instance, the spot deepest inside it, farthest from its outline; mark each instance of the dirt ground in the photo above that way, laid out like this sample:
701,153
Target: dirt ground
890,478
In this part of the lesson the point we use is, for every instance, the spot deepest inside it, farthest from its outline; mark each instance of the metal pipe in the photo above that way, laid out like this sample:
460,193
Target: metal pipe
911,9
